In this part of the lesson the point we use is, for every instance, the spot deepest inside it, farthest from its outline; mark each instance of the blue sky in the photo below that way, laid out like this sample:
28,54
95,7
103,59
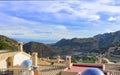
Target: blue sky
50,21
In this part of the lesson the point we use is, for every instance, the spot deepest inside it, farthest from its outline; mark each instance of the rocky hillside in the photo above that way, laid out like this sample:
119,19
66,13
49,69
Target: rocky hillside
42,49
77,44
108,39
98,43
8,43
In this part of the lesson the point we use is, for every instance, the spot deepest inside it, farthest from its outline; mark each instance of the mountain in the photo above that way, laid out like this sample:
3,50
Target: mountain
77,44
42,49
108,39
98,43
8,43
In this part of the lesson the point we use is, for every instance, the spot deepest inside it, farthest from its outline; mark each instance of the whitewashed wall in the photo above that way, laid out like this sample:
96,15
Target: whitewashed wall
3,64
19,58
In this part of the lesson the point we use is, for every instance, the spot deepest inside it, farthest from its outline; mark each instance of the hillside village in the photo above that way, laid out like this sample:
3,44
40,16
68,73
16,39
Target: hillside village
13,55
60,37
36,58
11,63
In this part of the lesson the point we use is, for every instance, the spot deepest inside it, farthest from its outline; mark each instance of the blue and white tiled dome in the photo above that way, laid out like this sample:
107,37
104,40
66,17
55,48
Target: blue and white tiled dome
27,63
92,71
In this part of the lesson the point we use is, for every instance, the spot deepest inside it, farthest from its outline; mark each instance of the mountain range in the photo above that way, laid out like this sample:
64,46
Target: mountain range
99,43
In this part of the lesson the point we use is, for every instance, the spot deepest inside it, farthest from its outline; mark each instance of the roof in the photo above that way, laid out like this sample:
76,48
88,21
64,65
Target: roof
77,69
5,55
83,66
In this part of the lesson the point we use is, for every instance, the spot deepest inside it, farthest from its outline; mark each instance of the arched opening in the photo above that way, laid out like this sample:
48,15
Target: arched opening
9,62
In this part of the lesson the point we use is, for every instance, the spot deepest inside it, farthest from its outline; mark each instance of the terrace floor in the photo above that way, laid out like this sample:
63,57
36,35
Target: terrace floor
51,69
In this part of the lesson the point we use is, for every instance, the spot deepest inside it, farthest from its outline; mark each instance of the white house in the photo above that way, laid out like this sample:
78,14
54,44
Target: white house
10,59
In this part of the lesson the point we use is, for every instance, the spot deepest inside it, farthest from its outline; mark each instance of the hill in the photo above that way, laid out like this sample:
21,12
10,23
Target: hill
99,43
77,44
42,49
8,43
108,39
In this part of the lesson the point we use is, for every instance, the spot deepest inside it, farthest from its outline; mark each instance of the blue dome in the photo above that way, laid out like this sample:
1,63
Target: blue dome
92,71
27,63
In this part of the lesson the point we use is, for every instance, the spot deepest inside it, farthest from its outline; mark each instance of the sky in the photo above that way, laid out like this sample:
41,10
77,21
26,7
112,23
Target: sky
49,21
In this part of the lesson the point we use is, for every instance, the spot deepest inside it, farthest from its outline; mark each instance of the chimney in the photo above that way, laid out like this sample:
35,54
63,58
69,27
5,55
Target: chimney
34,58
68,62
20,46
99,59
58,59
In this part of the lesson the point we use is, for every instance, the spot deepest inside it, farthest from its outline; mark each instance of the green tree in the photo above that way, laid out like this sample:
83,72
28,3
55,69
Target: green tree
73,60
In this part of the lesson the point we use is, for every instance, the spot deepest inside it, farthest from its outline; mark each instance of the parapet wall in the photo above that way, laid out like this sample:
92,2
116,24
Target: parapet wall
100,66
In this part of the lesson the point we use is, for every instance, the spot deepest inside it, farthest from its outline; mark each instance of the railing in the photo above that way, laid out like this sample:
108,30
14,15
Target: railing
112,69
51,69
115,67
4,71
113,72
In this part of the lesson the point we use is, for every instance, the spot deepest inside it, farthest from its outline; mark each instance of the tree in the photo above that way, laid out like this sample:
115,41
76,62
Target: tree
73,60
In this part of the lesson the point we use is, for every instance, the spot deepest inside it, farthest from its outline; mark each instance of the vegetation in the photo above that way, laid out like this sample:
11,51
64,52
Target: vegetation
92,59
104,61
73,60
52,63
7,44
117,44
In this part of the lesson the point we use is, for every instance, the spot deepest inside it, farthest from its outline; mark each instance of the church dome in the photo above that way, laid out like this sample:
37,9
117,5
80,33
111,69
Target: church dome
27,63
92,71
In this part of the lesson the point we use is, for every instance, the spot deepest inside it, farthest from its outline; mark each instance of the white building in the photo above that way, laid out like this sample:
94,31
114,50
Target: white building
11,59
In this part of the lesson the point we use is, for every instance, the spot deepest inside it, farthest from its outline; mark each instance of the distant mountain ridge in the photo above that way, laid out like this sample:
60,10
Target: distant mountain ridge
94,43
108,38
97,43
77,44
40,48
7,43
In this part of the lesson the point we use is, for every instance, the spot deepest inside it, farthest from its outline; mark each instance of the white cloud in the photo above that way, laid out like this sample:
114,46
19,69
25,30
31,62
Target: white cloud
74,12
21,28
78,9
108,30
94,17
112,19
61,27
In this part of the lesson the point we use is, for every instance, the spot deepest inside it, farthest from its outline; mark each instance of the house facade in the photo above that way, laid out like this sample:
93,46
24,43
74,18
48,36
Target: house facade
11,59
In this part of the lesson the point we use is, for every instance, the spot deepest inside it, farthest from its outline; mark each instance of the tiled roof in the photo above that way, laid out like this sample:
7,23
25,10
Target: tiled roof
80,67
77,69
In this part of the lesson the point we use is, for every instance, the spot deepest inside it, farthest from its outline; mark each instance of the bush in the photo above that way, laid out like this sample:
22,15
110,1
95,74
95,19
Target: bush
88,60
104,61
52,63
73,60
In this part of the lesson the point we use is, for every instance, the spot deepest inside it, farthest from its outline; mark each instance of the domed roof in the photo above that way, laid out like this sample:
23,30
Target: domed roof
92,71
27,63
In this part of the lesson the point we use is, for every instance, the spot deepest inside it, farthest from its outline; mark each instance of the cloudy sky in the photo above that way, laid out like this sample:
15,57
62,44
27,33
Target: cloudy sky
50,21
